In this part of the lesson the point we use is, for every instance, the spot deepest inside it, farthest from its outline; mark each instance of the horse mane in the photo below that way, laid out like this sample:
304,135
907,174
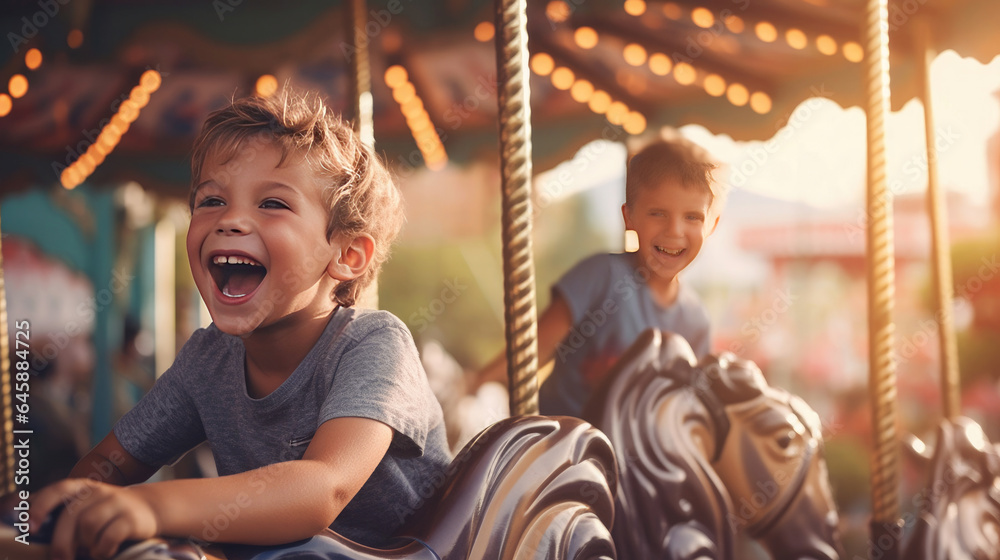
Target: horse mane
670,503
529,487
959,513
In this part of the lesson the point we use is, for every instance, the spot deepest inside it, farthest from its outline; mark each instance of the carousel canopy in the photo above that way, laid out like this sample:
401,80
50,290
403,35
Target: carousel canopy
600,69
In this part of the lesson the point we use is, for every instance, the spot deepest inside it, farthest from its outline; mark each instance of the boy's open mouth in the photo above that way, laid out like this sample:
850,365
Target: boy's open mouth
236,276
671,252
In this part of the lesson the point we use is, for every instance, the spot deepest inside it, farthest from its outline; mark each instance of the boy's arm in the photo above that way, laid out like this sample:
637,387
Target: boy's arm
109,462
276,504
553,325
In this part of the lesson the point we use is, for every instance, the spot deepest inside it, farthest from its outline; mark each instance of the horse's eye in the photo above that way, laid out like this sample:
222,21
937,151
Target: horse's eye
785,439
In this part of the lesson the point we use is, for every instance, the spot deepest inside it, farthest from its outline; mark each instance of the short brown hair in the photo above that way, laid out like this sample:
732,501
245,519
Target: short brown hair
674,160
360,193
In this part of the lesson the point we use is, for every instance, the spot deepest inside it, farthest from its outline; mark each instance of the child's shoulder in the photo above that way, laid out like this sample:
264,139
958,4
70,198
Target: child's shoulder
364,322
208,341
600,263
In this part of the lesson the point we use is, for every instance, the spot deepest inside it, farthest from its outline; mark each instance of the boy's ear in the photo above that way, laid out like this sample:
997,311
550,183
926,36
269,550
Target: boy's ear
715,224
627,216
352,257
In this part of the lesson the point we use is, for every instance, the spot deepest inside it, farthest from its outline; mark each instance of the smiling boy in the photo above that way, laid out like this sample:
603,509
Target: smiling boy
599,307
317,414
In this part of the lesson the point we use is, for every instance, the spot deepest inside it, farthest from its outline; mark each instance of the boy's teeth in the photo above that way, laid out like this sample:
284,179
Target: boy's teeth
222,259
225,292
674,253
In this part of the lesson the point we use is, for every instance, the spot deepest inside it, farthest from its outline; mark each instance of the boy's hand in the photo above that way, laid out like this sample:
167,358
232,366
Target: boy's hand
98,517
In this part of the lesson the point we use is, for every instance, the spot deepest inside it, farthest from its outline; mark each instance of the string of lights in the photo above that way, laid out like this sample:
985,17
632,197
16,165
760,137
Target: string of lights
417,119
111,133
638,56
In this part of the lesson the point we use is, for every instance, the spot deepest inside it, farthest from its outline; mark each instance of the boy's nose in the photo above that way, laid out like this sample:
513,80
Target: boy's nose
675,227
232,222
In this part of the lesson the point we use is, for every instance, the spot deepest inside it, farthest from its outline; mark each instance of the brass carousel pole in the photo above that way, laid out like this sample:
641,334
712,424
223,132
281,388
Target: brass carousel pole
361,72
940,246
885,525
7,446
520,315
363,123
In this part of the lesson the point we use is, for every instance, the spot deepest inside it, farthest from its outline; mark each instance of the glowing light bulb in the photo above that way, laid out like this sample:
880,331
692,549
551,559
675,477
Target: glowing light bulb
853,52
581,91
17,86
796,39
33,59
562,78
760,102
826,45
702,17
714,85
150,80
395,76
766,32
635,123
599,101
635,7
685,74
617,112
74,39
542,64
557,11
660,64
266,85
585,37
484,31
737,94
634,54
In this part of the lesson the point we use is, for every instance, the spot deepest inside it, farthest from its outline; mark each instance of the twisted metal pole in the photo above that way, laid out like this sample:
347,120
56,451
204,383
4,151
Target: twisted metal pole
361,72
363,119
940,245
885,527
520,315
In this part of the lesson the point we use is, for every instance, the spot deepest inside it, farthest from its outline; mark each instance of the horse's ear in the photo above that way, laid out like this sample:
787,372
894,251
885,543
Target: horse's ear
733,380
675,347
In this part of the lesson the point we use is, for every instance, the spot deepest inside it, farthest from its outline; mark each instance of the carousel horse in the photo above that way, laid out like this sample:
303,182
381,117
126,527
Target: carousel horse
530,487
959,515
708,449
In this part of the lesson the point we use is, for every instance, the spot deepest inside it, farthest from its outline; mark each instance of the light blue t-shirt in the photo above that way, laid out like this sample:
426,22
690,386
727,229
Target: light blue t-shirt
363,365
611,304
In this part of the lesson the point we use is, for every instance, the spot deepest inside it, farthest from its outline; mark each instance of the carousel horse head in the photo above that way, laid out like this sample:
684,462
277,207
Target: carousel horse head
959,513
706,450
771,463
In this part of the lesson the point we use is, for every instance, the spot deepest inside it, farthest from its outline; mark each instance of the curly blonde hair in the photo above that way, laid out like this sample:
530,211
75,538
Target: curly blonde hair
358,189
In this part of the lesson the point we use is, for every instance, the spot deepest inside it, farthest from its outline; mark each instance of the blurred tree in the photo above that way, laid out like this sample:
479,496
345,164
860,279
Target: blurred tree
452,291
977,282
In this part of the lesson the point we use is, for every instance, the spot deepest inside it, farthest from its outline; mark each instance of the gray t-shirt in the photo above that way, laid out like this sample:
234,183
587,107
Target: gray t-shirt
611,304
363,365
